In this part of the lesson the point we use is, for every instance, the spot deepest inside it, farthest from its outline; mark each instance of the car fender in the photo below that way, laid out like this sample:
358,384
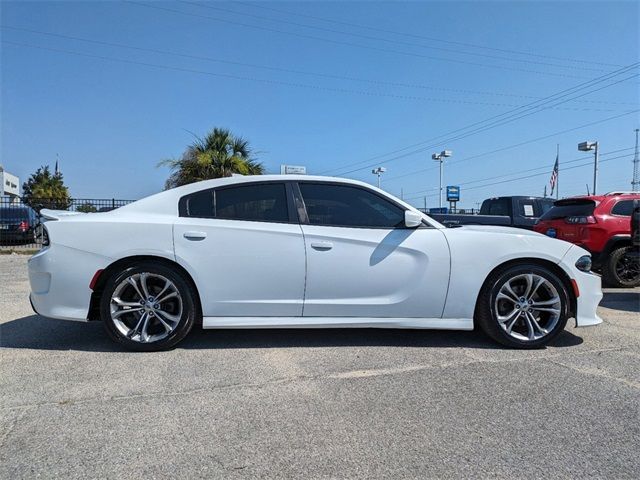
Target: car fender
476,252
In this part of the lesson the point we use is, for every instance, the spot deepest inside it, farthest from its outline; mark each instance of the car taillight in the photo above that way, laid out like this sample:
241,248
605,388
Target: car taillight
45,237
580,220
24,226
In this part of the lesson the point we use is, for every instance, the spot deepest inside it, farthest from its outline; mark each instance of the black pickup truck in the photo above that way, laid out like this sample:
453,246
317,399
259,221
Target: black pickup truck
520,212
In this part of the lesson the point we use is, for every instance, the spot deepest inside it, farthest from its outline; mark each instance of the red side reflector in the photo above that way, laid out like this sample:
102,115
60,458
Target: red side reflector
94,280
576,290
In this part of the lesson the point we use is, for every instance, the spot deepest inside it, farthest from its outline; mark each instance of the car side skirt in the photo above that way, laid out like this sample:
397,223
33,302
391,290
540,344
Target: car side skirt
337,322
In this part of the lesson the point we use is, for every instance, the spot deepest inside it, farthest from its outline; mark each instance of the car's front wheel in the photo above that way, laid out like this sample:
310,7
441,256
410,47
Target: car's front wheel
523,306
148,307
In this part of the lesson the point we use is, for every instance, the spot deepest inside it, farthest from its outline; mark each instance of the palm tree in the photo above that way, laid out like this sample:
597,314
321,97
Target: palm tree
218,154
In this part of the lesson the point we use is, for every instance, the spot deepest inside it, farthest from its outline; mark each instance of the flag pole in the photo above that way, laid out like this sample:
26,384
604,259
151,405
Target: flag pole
558,177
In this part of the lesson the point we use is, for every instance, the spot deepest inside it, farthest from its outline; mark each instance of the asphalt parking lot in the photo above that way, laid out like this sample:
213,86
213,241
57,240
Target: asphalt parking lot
316,403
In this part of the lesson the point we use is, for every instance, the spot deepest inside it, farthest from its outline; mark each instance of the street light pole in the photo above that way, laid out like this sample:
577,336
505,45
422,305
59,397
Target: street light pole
587,147
378,171
595,169
439,157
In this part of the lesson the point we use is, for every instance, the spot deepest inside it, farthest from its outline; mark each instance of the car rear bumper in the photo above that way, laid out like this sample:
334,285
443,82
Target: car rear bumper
12,236
59,279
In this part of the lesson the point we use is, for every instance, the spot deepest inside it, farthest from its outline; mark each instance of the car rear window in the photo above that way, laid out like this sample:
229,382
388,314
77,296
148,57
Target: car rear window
624,208
570,208
13,213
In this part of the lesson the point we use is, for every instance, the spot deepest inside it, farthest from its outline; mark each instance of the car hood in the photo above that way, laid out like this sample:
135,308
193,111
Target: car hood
505,243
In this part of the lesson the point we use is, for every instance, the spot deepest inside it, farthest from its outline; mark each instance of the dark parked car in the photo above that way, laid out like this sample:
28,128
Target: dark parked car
18,225
516,211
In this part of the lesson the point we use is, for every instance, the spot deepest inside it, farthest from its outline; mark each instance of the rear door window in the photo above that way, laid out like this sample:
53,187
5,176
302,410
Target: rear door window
624,208
258,203
264,202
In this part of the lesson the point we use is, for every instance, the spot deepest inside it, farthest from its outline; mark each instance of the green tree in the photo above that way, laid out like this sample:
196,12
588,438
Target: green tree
86,207
46,190
218,154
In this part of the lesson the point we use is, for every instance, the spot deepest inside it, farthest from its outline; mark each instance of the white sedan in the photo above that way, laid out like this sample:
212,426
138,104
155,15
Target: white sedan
302,251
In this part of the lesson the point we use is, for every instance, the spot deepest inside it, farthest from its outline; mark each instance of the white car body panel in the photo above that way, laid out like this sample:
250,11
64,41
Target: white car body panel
338,322
375,272
259,274
244,268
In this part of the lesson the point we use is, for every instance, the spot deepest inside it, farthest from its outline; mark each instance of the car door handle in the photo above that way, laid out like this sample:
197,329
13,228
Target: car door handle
194,235
323,246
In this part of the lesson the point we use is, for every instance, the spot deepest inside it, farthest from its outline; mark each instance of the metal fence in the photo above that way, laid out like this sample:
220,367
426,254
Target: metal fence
20,221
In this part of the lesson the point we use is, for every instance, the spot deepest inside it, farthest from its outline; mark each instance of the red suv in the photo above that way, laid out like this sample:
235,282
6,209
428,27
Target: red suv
600,224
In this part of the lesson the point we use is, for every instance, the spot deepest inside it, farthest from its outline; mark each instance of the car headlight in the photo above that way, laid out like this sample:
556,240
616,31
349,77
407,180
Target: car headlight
584,263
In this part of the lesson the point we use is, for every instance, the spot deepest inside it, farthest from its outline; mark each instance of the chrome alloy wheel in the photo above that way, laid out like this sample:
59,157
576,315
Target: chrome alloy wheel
146,307
528,307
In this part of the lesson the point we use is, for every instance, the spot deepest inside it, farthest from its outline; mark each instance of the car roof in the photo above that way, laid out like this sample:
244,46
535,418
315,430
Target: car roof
167,200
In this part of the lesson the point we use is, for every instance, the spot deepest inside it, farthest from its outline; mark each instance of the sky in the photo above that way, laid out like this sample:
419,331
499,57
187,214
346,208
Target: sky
113,88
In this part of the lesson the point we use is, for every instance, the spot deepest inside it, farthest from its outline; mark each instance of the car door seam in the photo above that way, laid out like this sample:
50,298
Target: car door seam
446,296
306,269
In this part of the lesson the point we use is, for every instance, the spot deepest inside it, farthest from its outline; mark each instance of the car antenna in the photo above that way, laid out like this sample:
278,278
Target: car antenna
588,190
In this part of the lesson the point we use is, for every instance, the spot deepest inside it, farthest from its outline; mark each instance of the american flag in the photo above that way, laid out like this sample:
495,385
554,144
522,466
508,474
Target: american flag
554,176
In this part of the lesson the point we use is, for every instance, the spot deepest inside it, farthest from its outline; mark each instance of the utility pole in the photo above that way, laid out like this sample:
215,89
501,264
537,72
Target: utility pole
558,176
635,183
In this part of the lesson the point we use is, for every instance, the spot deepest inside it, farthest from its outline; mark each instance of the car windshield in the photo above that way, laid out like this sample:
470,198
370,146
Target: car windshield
570,208
9,214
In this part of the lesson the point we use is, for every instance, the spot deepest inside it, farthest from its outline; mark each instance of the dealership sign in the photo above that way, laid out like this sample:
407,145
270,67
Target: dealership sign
292,170
453,193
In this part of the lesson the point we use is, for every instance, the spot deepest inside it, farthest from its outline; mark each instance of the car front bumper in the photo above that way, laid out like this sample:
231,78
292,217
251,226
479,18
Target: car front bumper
589,289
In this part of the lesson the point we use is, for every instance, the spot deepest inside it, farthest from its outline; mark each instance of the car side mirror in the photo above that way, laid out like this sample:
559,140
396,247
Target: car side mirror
412,219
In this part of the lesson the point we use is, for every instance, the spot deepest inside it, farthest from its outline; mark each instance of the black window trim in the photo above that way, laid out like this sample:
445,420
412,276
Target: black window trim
304,216
289,195
618,203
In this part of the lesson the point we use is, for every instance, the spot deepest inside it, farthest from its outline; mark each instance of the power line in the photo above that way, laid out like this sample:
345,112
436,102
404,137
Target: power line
381,39
246,78
521,178
415,172
479,130
433,39
288,70
545,168
508,114
350,44
260,80
519,144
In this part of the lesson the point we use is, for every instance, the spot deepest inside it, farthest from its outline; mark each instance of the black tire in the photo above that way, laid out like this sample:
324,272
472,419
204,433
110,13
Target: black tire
622,268
486,316
187,314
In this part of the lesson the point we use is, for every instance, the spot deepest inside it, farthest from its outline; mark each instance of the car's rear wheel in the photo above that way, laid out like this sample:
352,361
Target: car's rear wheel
523,306
622,268
148,307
